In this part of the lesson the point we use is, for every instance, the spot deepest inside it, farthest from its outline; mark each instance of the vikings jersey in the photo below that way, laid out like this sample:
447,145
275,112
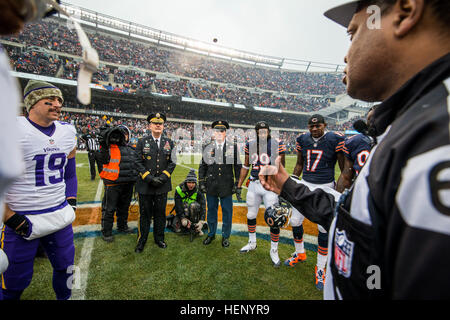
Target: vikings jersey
357,149
41,188
258,158
319,156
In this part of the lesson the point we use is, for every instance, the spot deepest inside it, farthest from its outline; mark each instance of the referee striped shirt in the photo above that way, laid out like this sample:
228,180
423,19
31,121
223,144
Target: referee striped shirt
91,142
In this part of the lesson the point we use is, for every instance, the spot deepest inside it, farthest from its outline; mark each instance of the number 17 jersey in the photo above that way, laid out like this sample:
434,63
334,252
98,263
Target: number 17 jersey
41,186
319,157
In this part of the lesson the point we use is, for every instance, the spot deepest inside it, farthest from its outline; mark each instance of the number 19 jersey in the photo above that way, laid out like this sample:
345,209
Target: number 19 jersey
319,157
41,188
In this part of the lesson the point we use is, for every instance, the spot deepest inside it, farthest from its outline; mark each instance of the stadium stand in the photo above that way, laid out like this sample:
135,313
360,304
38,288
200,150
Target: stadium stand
183,84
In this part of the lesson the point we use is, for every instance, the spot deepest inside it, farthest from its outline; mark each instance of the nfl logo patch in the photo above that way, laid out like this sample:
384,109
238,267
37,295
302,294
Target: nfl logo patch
343,253
51,141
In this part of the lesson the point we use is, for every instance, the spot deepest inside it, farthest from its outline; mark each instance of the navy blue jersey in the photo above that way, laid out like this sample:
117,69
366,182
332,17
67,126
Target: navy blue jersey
357,149
257,160
319,158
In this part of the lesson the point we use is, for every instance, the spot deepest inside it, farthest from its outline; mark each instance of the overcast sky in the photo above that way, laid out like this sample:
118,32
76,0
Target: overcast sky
294,29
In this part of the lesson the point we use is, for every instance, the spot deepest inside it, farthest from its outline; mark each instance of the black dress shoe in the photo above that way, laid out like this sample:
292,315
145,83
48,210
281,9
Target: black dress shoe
161,244
225,242
139,248
208,240
126,231
108,238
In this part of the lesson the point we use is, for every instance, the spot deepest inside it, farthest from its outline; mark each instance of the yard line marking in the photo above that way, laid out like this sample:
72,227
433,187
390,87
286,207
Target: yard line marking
86,253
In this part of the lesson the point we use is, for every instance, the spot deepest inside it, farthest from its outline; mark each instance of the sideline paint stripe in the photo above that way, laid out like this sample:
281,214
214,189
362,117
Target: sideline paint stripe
86,253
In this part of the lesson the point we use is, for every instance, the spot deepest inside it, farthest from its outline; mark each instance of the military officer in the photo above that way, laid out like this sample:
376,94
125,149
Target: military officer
218,175
155,164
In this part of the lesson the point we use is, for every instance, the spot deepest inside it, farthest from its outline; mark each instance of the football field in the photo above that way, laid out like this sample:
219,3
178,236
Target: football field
185,270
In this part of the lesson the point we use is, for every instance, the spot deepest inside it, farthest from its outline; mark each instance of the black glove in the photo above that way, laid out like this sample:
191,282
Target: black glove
239,194
164,178
20,224
202,187
148,178
73,203
157,182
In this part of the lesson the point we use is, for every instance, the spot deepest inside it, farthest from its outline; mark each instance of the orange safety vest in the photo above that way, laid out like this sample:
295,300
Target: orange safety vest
111,170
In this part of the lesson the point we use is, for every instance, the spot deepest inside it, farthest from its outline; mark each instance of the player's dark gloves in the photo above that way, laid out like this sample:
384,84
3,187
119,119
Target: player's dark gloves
20,224
73,203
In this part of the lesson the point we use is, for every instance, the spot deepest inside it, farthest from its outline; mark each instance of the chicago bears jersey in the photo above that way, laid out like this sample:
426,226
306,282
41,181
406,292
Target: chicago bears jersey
319,156
258,158
42,185
357,149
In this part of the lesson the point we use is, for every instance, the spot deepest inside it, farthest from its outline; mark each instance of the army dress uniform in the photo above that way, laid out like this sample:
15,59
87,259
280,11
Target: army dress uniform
219,173
155,165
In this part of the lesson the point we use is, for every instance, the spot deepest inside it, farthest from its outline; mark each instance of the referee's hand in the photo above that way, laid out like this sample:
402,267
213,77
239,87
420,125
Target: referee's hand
273,177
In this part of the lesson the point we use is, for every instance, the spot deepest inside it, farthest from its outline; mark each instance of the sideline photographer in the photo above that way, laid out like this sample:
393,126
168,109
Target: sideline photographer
190,207
119,176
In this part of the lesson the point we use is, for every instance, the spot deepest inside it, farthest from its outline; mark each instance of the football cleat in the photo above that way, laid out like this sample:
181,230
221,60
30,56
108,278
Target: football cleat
295,258
320,278
248,247
275,258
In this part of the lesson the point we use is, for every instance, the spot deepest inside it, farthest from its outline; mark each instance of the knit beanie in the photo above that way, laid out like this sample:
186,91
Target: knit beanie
191,177
38,90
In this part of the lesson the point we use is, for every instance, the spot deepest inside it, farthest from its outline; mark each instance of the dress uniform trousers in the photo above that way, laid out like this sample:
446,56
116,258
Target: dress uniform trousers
152,206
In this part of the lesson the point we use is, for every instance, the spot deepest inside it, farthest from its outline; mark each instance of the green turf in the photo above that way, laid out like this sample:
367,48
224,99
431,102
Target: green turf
184,271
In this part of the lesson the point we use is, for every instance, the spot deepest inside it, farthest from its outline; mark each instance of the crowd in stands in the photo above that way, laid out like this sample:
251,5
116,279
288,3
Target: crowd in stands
178,131
52,35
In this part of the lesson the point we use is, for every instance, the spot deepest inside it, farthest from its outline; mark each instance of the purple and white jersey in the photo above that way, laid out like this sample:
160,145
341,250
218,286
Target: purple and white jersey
42,187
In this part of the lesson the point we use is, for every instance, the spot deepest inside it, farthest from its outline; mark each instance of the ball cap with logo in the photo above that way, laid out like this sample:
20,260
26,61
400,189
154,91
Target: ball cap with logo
220,124
343,13
157,118
316,119
262,125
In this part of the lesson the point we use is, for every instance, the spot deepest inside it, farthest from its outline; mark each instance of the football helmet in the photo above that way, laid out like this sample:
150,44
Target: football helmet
278,216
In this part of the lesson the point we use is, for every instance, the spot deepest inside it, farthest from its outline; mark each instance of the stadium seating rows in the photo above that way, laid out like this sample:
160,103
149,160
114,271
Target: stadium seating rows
53,36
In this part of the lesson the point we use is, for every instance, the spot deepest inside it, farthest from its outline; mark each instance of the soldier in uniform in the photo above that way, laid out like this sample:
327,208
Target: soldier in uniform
218,176
155,165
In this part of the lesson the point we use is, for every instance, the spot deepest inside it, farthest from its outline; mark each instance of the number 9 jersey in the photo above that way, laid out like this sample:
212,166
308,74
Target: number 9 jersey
357,149
319,156
42,184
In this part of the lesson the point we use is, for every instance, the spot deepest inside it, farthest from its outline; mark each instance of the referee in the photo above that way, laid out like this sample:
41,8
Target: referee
93,147
390,233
